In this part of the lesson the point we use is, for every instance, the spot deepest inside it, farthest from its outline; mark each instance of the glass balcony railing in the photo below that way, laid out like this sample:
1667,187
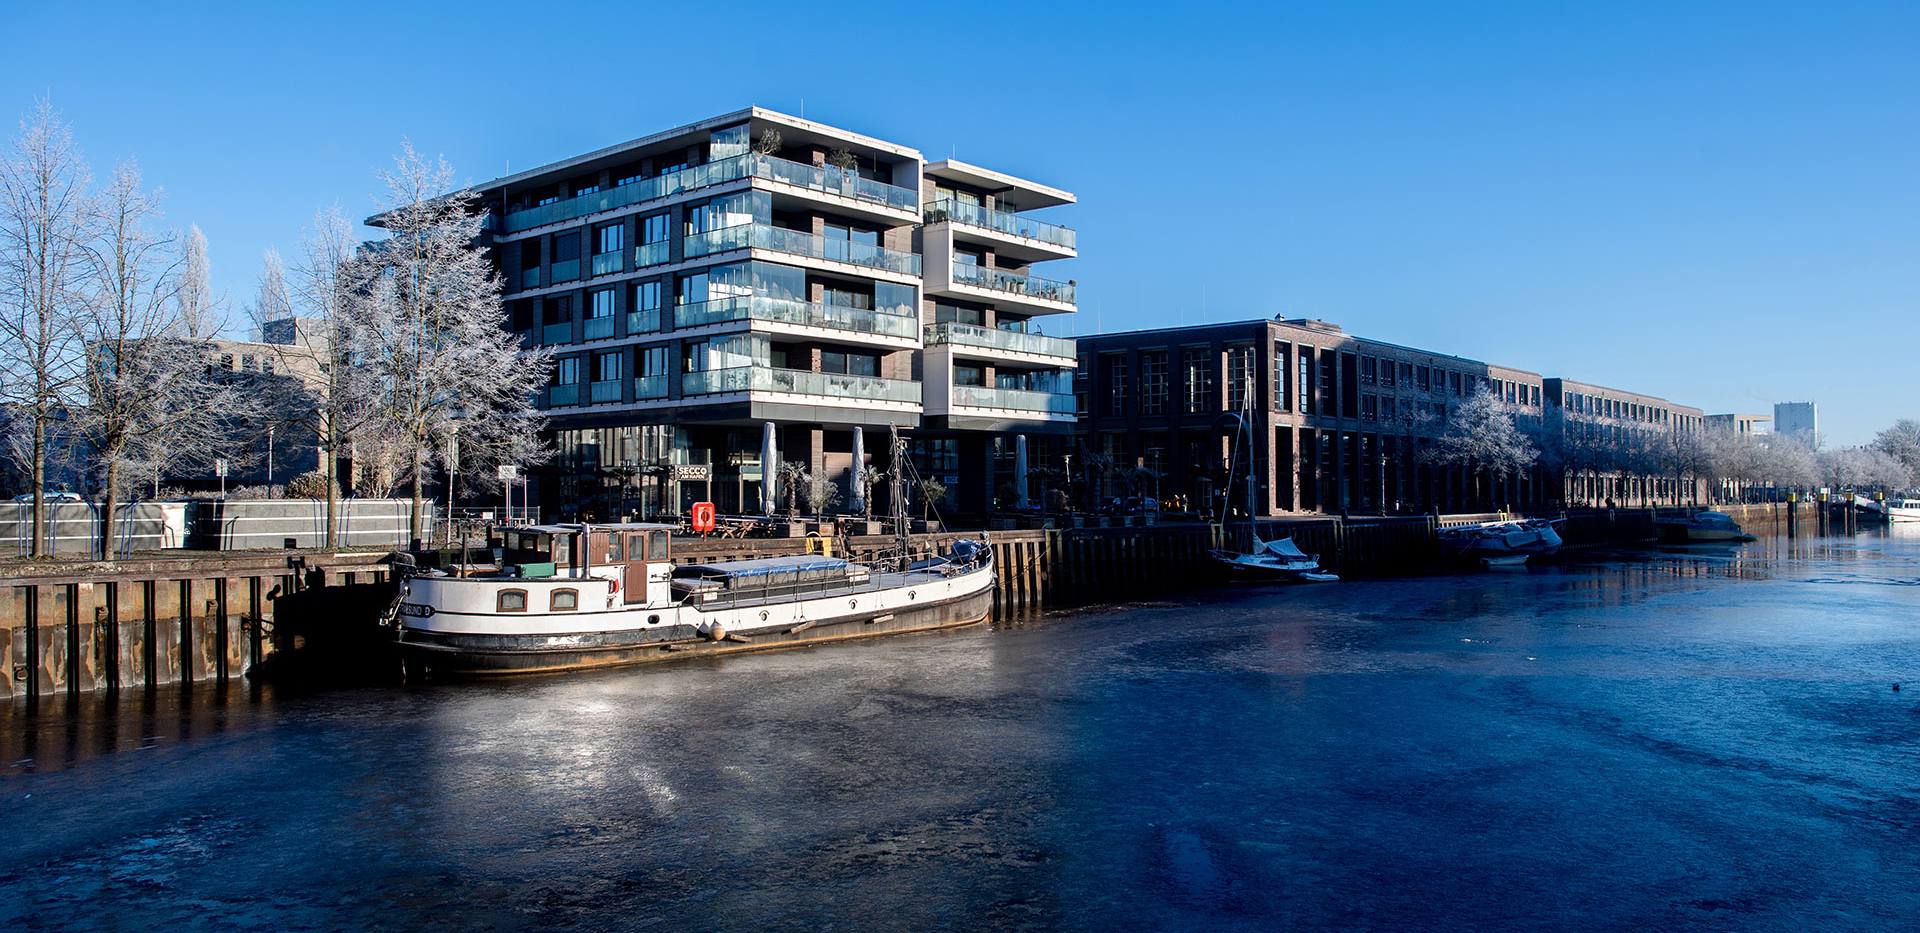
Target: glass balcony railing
652,254
646,189
606,263
993,338
557,333
1014,283
530,278
607,390
565,270
718,172
832,180
563,395
801,243
986,218
643,322
812,314
800,382
1051,403
598,328
649,387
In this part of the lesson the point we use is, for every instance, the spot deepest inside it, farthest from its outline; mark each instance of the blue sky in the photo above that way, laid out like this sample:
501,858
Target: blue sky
1674,198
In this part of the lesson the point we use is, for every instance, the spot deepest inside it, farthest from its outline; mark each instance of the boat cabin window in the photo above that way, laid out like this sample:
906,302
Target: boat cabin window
637,547
614,551
511,601
657,545
565,600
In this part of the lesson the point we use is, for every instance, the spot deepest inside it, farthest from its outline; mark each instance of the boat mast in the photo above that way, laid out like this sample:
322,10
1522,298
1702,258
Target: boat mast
895,479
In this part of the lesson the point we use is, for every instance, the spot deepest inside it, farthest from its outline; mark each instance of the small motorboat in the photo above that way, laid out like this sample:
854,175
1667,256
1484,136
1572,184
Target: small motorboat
1701,528
1510,543
1278,561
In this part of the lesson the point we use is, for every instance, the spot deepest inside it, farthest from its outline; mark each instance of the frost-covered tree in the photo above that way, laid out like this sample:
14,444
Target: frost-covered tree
323,389
1901,441
43,204
199,308
435,342
1481,437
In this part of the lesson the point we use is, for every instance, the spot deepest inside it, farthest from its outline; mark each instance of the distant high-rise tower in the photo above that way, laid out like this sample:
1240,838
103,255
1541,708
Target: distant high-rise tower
1797,419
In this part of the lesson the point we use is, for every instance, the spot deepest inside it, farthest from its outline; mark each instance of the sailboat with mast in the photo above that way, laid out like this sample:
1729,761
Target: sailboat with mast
1278,561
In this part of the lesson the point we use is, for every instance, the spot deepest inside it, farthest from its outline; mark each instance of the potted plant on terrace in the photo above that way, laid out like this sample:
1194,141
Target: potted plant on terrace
931,491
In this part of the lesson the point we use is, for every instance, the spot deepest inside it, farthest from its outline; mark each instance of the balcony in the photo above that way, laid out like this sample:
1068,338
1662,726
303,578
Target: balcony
606,263
1013,283
1043,403
686,179
607,390
565,270
803,313
801,243
824,179
557,333
830,180
643,322
996,340
1003,223
650,387
652,254
598,328
563,395
835,386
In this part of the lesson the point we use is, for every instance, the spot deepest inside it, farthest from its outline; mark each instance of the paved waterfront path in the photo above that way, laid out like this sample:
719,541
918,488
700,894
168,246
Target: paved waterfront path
1704,739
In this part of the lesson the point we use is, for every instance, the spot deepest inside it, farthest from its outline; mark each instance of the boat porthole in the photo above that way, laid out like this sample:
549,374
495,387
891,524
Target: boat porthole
653,620
763,615
853,604
910,595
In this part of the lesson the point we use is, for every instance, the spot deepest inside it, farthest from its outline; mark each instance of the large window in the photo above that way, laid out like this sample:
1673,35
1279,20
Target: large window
1198,364
852,364
969,376
1116,367
644,317
1281,401
566,256
566,371
606,366
1153,382
609,238
955,314
1304,385
1239,377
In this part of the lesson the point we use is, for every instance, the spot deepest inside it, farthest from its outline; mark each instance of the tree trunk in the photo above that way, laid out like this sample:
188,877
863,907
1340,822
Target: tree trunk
331,473
39,485
108,496
415,520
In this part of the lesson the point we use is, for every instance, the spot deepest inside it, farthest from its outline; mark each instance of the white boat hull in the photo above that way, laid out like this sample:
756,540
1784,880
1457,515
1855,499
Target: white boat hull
475,643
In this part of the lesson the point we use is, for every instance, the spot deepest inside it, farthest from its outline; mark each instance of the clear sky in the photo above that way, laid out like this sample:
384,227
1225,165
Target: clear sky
1718,203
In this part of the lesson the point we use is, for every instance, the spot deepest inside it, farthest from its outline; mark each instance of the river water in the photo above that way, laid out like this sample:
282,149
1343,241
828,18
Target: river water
1705,739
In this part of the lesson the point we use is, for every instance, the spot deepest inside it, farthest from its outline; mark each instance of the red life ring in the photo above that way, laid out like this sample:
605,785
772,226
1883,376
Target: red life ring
613,586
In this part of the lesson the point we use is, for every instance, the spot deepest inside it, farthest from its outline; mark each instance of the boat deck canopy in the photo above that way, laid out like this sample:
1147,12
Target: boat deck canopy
794,567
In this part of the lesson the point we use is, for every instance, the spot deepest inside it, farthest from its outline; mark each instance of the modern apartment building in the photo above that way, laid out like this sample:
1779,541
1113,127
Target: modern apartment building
1798,420
757,288
1340,420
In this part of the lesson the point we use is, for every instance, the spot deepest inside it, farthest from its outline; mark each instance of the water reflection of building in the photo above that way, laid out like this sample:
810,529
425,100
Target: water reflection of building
758,288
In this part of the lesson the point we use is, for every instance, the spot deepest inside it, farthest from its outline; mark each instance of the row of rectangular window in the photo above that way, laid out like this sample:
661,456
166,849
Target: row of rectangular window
1200,370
